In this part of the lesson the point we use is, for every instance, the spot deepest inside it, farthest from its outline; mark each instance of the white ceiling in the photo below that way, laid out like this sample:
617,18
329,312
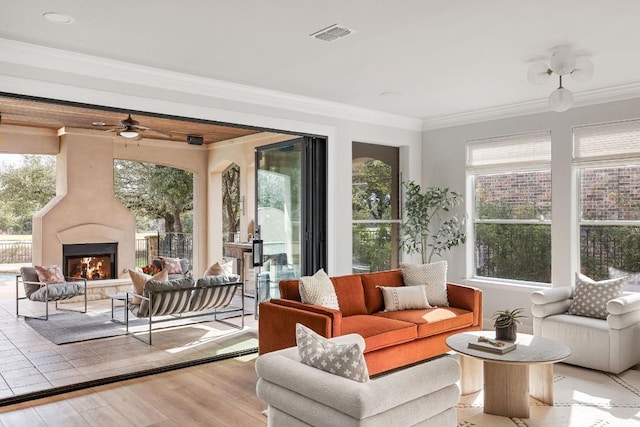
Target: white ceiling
438,58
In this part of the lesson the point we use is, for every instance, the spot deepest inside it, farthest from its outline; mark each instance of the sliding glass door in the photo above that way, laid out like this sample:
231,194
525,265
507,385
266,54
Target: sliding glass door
290,210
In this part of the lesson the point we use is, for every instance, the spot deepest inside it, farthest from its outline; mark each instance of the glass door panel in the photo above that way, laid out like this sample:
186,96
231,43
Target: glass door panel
278,214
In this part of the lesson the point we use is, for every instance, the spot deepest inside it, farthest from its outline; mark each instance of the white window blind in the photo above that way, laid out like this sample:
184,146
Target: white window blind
607,141
531,148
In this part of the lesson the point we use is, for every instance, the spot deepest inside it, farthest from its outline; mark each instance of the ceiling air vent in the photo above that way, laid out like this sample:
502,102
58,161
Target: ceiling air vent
332,33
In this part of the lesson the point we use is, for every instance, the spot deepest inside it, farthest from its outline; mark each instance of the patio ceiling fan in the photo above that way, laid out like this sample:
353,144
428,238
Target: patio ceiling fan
131,129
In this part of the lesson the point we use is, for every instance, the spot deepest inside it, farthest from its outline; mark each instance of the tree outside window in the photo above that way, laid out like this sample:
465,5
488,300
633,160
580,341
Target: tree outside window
375,208
230,202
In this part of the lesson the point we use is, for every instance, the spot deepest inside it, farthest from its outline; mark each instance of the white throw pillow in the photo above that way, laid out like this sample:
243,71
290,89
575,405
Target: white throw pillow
398,298
590,297
318,290
218,269
345,360
138,279
433,275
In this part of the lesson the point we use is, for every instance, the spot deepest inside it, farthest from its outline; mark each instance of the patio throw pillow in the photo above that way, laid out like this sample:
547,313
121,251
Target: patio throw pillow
218,269
345,360
633,279
172,265
433,275
138,279
398,298
49,274
318,290
590,297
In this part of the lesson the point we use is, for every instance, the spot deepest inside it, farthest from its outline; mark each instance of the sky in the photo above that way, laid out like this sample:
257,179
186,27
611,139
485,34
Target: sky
10,159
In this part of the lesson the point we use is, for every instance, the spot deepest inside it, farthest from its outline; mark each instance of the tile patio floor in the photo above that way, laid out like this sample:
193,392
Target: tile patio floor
30,362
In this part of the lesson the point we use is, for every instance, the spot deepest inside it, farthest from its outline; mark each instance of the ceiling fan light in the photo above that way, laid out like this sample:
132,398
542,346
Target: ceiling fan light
561,100
563,61
538,73
583,70
129,134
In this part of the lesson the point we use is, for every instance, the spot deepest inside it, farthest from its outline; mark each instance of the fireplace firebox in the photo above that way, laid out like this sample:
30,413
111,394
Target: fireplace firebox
92,261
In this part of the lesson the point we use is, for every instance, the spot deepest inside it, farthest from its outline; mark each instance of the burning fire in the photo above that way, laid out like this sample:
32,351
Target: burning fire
90,268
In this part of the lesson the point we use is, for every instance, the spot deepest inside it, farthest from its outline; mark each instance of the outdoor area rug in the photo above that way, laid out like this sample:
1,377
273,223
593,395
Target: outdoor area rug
64,328
71,327
582,398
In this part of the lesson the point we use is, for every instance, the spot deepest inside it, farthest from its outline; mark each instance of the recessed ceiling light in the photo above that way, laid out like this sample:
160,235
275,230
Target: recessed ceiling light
58,18
99,123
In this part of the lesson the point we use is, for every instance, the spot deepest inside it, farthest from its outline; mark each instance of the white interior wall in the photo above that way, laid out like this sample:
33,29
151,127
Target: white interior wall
73,77
443,164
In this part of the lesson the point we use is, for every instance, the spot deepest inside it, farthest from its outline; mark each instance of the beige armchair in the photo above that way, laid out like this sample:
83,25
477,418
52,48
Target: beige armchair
610,345
424,394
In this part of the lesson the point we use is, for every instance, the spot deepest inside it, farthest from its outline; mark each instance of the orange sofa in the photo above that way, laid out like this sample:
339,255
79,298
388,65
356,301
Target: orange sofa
392,339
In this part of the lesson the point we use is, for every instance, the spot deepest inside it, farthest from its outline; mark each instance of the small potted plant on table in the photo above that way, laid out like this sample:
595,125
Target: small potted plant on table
506,323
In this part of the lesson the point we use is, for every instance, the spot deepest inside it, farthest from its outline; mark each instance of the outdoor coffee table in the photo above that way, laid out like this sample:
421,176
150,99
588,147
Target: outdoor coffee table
510,378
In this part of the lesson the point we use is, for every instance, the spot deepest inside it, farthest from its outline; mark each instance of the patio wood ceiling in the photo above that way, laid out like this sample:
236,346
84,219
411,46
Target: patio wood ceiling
49,114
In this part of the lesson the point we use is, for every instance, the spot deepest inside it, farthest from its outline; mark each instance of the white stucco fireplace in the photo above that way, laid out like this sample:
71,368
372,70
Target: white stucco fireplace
85,211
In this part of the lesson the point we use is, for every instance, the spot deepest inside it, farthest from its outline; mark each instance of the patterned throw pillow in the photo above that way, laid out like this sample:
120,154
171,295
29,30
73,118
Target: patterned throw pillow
138,279
172,265
434,275
590,297
633,279
49,274
404,297
217,269
318,290
345,360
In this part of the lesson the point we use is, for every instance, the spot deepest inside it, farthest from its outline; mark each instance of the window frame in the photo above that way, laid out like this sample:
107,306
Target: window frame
624,161
397,211
541,163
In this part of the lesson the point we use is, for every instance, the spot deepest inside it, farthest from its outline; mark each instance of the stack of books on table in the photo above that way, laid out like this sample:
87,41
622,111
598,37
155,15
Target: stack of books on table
492,346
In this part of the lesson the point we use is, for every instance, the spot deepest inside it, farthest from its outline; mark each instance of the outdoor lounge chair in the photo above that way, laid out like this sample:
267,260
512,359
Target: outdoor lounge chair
38,291
185,298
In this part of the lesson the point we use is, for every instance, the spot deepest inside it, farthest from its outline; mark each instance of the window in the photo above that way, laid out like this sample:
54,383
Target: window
510,183
607,160
231,203
375,209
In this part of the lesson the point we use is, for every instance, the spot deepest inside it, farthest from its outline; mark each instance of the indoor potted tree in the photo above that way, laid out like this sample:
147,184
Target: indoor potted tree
425,229
506,323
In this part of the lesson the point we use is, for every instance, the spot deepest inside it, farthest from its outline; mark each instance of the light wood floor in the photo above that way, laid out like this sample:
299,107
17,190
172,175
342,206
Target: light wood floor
216,394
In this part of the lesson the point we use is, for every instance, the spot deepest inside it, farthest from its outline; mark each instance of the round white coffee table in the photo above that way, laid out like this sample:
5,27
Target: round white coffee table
510,378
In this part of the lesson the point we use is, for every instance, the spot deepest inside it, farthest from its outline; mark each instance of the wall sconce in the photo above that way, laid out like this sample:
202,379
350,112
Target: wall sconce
563,62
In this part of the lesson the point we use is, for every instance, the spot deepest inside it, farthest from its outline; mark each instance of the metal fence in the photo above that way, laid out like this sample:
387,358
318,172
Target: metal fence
15,252
173,245
604,246
514,251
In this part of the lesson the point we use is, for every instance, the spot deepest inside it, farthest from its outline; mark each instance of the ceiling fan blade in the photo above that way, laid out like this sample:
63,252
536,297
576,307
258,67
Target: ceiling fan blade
157,132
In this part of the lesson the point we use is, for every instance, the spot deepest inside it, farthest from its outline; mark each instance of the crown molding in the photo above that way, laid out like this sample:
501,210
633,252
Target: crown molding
62,61
581,99
71,63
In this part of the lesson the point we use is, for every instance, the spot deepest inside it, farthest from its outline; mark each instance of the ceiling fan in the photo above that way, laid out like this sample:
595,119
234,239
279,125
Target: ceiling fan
131,129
